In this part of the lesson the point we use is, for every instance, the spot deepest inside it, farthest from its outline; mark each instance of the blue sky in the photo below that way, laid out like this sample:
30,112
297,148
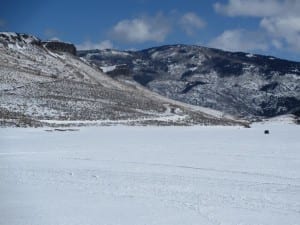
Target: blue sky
270,27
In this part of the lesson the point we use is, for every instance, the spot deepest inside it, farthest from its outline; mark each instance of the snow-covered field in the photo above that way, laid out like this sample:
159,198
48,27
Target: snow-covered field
151,175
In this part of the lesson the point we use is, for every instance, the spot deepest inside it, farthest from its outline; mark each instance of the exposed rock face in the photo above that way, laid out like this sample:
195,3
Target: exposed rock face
11,39
60,46
17,39
241,84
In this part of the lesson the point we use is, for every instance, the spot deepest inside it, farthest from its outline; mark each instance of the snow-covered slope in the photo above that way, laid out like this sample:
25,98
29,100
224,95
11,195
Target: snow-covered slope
245,85
44,81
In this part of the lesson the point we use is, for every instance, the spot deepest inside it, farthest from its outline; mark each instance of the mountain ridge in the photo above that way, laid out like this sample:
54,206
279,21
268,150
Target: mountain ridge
246,85
50,86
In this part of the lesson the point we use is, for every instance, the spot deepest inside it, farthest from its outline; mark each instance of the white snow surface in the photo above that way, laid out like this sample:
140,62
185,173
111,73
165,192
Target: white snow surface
151,175
250,55
106,69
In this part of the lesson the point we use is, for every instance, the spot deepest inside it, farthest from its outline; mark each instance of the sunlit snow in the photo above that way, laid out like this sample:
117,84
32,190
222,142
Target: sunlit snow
151,175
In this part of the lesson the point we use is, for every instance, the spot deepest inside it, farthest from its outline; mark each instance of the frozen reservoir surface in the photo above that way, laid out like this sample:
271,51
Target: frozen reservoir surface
151,175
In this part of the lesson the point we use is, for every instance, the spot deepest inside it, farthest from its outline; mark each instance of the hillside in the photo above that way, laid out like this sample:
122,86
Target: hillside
45,83
241,84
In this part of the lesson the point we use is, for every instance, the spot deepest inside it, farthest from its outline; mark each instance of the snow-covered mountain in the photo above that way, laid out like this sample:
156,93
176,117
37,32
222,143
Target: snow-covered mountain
241,84
46,83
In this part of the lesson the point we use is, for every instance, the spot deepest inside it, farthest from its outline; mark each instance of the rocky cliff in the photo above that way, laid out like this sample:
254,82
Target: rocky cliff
60,47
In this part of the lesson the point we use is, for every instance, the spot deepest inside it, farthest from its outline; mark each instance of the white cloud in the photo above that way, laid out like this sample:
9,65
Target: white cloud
285,28
258,8
142,29
277,44
191,22
239,40
282,25
249,8
279,19
88,45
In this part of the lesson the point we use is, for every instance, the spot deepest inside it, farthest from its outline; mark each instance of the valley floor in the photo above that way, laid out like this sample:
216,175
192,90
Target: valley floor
150,175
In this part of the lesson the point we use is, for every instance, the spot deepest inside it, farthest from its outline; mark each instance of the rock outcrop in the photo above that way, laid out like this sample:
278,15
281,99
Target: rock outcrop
59,46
